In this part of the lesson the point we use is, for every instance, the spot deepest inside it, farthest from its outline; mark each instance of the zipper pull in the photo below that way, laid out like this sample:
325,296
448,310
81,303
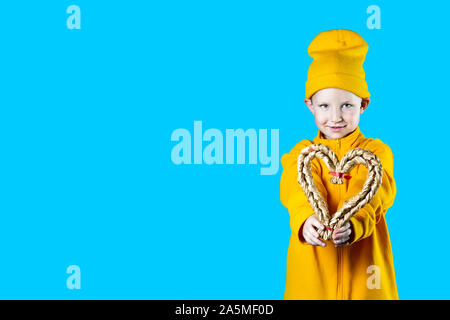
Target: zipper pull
338,147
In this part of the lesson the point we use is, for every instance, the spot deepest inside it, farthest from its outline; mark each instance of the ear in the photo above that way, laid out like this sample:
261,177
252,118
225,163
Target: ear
310,105
364,104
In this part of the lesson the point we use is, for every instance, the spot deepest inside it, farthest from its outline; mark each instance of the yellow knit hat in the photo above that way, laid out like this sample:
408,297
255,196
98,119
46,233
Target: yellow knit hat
338,57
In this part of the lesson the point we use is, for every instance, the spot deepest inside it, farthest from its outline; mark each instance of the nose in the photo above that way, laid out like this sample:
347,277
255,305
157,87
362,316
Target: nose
336,115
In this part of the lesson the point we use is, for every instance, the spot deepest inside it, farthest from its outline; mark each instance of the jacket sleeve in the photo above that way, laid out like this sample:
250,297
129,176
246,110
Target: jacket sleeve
291,193
365,220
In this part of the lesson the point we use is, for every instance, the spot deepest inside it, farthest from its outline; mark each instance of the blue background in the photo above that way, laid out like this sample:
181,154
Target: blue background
86,118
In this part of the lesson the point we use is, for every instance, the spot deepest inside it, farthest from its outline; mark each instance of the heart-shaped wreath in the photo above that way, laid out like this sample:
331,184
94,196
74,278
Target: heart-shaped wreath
339,171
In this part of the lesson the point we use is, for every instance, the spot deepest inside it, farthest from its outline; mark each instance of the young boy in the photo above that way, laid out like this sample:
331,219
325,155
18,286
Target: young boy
358,262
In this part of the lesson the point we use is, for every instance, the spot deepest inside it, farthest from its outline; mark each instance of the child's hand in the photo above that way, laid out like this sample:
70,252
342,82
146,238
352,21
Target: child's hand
310,233
342,237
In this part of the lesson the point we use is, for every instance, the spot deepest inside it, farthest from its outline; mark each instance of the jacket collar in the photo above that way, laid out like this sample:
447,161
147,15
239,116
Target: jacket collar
348,142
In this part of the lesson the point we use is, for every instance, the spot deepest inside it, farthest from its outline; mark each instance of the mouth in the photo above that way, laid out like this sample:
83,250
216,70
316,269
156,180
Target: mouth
336,128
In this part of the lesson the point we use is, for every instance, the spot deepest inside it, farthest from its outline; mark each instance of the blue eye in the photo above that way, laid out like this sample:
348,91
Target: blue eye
323,105
349,105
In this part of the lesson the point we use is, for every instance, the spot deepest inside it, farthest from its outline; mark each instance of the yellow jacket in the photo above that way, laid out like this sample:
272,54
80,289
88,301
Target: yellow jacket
365,268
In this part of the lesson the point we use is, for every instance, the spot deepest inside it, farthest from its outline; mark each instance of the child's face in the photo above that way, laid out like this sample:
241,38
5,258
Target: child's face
336,111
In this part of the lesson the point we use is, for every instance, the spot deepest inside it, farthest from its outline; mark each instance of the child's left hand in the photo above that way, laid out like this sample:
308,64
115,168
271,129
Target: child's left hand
343,236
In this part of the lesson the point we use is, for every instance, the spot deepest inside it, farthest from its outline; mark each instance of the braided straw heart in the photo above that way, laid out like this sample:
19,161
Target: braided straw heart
339,171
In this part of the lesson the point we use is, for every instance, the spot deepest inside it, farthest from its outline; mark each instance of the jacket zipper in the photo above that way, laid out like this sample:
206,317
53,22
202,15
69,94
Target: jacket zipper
340,288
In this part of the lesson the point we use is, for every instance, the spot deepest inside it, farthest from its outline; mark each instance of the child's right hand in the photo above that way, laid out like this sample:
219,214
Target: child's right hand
310,234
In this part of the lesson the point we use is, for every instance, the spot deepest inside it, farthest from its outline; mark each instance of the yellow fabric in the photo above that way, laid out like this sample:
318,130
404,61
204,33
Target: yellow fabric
315,272
338,58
